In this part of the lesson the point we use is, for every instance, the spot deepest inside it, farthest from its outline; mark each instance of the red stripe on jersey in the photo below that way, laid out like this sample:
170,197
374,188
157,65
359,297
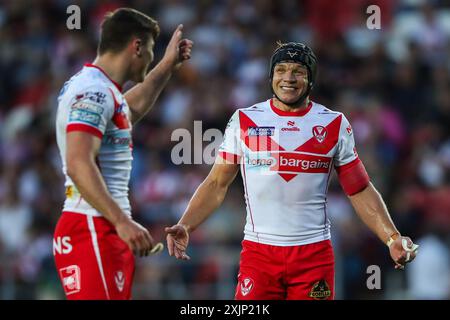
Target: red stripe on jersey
84,128
353,177
282,113
287,176
230,157
256,143
326,194
300,163
247,196
324,138
119,118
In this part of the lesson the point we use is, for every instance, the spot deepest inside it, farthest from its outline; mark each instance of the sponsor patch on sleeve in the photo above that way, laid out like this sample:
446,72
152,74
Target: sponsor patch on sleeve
87,106
83,112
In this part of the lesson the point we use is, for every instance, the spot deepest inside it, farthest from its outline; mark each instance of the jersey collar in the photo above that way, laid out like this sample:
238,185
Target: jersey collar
282,113
90,65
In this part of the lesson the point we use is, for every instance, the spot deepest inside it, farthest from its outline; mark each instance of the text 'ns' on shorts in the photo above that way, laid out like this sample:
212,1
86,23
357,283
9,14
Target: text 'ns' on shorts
91,260
268,272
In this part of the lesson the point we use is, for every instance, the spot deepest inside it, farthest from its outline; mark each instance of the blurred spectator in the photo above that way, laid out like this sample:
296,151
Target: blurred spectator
429,278
15,216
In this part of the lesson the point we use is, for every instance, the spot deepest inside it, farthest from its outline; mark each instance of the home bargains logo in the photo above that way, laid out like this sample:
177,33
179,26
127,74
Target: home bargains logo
300,163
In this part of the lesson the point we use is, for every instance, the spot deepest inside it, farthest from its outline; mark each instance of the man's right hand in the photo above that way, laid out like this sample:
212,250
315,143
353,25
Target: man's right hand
135,236
402,251
177,241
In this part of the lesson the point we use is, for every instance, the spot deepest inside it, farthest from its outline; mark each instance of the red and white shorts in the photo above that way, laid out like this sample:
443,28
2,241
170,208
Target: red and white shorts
91,260
286,273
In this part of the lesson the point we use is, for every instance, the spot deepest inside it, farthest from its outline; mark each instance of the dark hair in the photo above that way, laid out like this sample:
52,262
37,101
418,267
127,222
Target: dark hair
120,26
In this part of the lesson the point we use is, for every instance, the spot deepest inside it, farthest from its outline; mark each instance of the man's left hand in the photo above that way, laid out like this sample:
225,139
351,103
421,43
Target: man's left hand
178,49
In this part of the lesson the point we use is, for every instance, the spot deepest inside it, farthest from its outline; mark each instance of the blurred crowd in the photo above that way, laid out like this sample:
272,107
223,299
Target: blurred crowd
392,83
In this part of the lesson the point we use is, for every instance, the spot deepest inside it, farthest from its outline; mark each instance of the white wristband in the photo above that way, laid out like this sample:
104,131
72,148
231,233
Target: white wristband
390,242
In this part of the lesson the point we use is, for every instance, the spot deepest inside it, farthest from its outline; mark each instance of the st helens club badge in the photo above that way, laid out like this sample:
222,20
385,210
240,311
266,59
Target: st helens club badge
71,279
320,133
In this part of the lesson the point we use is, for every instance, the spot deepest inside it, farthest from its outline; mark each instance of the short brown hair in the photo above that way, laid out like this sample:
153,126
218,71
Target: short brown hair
120,26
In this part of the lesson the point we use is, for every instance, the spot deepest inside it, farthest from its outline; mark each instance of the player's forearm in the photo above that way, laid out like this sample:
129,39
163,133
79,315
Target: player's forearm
370,207
206,199
142,97
89,182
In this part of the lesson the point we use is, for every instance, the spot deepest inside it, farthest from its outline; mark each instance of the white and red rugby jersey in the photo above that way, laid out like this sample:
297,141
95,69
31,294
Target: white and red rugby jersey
286,161
91,102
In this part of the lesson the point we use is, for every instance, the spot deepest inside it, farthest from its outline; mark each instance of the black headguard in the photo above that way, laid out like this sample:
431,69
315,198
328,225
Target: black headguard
299,53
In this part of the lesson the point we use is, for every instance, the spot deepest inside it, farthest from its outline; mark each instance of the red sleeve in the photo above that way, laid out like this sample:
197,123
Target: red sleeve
353,177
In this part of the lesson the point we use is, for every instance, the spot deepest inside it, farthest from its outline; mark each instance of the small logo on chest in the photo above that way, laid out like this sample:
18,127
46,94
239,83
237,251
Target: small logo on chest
291,127
320,133
261,131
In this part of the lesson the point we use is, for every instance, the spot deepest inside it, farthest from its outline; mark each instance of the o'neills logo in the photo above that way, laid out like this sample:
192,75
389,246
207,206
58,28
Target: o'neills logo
291,129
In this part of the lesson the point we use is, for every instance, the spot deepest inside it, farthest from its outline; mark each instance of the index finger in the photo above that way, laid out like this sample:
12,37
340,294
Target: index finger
170,245
149,239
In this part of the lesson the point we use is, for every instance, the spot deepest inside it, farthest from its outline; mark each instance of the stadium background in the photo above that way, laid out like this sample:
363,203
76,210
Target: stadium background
393,84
